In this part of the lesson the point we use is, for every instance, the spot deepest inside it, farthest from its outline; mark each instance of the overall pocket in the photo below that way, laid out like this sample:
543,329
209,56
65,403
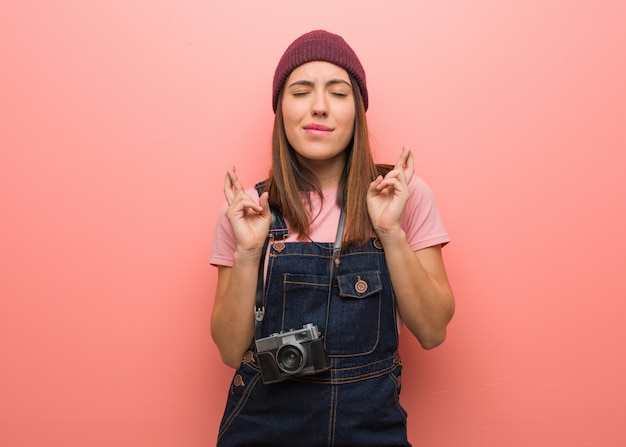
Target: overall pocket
354,317
305,301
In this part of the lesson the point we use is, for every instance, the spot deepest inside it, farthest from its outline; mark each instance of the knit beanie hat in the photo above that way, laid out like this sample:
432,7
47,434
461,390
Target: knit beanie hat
318,46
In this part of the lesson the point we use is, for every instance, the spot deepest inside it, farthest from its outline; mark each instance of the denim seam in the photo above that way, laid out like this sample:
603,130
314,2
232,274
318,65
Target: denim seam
333,414
333,380
242,401
396,395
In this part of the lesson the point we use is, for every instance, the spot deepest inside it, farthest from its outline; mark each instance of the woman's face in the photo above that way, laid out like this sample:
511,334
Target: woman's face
318,113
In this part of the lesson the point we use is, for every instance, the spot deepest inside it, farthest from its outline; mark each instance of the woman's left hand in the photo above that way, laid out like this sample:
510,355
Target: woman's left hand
387,196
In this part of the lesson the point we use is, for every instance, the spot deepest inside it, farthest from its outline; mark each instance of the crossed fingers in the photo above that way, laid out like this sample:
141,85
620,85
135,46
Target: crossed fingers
405,164
232,185
235,192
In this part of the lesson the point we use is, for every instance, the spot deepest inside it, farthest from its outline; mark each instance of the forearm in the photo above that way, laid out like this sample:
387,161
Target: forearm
421,287
232,321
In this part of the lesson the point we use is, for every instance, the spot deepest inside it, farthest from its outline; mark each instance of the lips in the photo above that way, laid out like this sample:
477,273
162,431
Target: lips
317,129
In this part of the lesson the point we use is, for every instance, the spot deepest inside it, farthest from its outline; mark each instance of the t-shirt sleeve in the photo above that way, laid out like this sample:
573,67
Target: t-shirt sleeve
421,220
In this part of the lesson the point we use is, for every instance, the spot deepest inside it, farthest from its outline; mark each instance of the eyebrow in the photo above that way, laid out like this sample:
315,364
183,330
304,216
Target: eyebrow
311,83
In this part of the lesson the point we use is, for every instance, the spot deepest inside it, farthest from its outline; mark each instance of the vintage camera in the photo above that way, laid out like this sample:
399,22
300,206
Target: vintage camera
293,353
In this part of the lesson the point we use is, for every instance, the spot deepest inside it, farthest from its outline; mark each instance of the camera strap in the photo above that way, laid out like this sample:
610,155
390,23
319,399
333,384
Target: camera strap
259,308
337,248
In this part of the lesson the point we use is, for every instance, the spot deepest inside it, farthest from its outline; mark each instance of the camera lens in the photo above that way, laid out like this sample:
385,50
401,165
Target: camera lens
290,358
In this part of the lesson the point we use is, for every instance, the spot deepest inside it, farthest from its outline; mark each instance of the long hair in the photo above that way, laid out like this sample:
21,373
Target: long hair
289,179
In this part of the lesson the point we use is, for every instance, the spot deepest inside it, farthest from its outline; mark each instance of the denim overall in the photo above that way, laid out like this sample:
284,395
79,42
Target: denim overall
354,403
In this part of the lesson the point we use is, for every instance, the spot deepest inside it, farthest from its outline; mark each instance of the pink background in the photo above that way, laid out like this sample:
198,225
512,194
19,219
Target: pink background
119,118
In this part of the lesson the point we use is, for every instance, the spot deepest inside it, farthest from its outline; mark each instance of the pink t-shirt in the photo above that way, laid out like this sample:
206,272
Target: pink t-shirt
420,221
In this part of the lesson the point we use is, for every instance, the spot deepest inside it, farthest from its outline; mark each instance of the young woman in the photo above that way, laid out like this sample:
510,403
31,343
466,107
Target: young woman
354,253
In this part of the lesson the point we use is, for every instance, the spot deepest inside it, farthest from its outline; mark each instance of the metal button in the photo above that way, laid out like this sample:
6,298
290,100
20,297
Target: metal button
279,246
396,359
378,244
360,286
238,381
248,357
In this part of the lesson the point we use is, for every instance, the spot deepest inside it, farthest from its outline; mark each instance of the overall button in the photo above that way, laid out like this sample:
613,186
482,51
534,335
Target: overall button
279,246
378,244
238,381
360,286
396,359
248,357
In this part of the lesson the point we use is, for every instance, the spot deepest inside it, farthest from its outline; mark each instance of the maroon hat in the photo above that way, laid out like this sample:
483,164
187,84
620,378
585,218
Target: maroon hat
319,46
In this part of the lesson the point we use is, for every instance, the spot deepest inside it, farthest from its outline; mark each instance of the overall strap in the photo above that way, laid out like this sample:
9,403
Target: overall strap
278,228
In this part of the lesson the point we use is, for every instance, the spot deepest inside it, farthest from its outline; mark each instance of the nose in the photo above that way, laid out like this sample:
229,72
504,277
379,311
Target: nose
319,107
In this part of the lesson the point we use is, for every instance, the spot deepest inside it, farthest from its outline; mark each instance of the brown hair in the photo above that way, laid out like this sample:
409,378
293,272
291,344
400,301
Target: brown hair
288,178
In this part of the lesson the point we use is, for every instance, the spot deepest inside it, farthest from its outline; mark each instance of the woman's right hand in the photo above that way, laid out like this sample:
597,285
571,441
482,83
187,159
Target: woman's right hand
250,220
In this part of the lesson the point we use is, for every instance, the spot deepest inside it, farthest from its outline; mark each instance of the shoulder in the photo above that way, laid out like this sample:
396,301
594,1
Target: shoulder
419,189
421,219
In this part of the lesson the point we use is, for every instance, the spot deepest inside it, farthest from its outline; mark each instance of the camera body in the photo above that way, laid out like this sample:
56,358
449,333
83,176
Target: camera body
293,353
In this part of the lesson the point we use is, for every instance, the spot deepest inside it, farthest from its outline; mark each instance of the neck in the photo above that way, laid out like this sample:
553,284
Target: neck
329,182
327,172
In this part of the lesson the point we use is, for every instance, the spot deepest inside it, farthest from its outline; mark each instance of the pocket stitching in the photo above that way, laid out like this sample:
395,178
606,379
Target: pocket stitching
346,283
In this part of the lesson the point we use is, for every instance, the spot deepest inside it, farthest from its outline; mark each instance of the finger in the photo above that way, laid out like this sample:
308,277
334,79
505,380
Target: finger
264,203
410,167
374,185
401,163
248,202
236,184
228,188
405,164
232,185
243,206
392,183
394,173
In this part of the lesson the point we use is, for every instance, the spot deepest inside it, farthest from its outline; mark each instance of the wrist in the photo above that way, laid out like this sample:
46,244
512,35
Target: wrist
248,254
391,235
